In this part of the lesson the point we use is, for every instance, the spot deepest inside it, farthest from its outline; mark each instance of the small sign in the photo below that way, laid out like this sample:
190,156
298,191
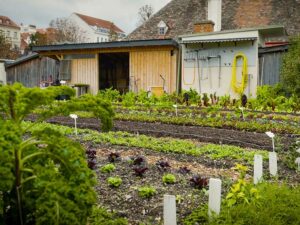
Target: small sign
73,116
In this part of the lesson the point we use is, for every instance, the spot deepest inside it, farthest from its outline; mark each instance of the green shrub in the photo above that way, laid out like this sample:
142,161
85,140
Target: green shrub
279,204
146,191
108,168
290,72
44,175
169,179
114,181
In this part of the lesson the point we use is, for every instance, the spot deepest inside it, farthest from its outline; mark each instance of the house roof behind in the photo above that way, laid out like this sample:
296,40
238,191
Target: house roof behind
181,15
92,21
106,45
7,22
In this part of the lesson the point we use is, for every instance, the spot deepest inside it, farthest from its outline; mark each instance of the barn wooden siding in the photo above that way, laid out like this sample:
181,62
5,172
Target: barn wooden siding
32,72
85,71
147,66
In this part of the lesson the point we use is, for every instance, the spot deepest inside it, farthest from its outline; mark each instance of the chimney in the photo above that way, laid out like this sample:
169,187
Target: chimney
204,27
214,13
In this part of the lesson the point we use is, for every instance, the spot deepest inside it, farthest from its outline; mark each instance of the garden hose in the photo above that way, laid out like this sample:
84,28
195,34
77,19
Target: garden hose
241,88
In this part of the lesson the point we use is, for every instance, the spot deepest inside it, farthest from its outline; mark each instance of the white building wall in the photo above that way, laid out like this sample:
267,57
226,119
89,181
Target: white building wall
90,33
12,34
2,73
204,76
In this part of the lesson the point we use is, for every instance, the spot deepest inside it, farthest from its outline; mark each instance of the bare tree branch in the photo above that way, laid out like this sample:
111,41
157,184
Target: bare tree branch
145,12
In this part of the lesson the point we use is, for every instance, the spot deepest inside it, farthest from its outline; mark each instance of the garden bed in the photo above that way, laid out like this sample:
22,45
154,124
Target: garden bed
203,134
125,200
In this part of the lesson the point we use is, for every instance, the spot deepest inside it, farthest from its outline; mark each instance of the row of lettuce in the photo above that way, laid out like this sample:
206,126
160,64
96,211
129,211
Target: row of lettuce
269,98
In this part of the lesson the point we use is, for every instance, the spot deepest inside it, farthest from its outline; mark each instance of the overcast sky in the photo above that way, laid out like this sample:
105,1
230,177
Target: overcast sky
40,12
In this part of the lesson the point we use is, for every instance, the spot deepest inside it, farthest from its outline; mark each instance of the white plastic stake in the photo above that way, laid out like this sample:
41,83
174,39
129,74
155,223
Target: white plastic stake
273,163
214,199
176,109
170,210
297,161
258,168
74,116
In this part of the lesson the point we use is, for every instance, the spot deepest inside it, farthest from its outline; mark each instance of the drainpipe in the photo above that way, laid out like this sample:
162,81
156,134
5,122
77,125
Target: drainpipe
179,69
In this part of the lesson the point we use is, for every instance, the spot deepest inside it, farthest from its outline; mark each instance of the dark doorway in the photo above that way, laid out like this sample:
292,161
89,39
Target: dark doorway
114,71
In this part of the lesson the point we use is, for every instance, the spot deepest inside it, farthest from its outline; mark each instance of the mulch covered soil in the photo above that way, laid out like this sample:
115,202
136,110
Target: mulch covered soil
202,134
125,200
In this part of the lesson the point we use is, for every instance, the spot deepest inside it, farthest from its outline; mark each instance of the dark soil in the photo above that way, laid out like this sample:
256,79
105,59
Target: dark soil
125,200
202,134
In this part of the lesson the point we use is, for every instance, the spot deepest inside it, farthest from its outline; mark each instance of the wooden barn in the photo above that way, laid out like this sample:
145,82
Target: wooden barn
149,65
32,71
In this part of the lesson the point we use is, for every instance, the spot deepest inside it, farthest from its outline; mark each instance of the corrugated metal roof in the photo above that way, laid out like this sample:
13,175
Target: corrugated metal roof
104,45
220,40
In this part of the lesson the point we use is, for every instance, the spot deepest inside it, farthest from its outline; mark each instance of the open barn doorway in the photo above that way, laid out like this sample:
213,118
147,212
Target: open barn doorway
114,71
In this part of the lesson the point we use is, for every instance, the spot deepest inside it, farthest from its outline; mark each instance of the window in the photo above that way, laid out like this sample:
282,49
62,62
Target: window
162,31
98,39
8,33
102,39
15,35
65,70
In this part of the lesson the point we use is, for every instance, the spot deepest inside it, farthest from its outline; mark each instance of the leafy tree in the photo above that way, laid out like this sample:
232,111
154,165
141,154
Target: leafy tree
44,175
290,74
113,36
66,31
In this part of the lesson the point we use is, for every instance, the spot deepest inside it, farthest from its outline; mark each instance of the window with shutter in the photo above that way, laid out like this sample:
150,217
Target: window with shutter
65,70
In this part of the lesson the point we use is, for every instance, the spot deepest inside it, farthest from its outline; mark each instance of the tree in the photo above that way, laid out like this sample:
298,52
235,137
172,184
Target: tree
6,52
290,73
44,175
113,35
39,39
145,12
66,31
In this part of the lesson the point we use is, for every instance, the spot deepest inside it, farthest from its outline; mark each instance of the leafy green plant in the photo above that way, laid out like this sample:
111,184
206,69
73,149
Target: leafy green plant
101,216
146,191
242,191
279,204
169,179
114,181
44,175
108,168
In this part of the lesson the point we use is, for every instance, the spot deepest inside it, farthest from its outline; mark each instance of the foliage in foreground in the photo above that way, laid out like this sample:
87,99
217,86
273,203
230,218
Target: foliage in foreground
100,216
44,175
278,204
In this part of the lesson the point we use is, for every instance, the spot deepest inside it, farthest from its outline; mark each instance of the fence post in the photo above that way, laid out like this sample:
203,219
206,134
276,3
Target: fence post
214,199
170,210
258,168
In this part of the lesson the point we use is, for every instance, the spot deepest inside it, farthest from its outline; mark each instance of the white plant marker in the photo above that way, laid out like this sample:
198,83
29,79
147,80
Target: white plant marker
176,109
258,168
74,116
273,163
271,135
170,210
297,161
214,199
242,110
